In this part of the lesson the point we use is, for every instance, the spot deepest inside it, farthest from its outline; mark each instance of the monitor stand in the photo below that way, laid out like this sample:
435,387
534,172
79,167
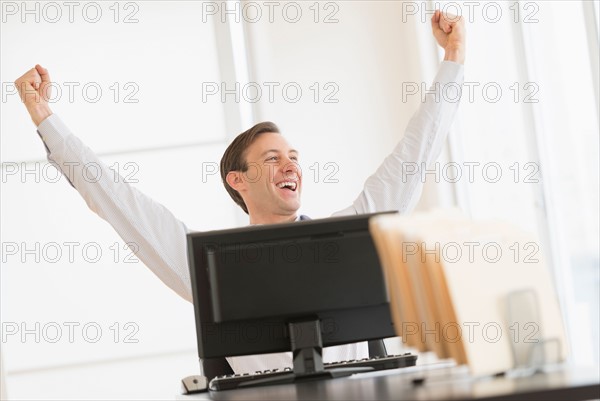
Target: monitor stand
307,350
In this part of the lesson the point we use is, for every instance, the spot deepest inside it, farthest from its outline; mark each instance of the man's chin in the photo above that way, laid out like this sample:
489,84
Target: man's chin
291,206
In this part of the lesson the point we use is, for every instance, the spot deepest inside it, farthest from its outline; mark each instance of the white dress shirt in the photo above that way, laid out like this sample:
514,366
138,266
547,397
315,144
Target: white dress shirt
161,237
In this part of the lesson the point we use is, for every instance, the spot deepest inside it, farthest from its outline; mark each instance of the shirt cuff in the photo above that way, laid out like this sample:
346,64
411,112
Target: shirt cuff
450,71
53,132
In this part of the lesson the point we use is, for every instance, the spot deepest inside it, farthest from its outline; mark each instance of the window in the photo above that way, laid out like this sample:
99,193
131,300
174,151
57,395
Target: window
542,134
127,81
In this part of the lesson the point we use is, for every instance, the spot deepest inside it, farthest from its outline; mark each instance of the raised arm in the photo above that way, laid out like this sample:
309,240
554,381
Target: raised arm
158,237
397,183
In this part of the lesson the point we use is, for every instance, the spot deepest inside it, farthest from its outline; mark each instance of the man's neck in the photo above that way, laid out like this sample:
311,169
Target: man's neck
273,219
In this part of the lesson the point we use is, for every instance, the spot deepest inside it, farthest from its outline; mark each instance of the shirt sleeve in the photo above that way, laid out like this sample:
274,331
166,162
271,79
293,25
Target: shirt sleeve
156,237
397,183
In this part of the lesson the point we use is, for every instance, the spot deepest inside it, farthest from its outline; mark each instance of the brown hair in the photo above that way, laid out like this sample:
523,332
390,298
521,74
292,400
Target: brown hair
234,158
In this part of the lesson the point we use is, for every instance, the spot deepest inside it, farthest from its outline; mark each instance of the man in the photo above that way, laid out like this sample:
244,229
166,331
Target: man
259,170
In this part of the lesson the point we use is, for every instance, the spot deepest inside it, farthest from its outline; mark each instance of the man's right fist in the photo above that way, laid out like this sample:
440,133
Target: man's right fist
35,89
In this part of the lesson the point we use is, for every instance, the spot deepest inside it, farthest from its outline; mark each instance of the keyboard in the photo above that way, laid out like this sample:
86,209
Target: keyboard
229,382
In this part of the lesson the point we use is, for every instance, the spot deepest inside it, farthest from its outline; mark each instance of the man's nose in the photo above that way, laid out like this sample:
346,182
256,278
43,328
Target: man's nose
291,168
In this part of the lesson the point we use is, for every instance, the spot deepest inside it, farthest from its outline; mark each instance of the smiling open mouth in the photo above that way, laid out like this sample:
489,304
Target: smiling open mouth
290,185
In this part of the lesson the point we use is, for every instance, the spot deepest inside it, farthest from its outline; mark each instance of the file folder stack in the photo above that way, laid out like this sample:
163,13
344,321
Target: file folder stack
476,292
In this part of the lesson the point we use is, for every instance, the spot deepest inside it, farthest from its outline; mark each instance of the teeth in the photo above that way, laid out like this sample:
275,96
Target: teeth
289,184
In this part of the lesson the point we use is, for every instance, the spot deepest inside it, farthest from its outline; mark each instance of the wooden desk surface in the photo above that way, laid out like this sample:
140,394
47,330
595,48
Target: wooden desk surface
440,384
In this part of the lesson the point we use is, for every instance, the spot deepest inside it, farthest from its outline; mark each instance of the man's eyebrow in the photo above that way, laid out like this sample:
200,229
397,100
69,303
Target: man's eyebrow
278,151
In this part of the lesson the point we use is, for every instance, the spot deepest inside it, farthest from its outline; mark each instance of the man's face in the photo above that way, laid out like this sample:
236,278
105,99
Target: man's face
273,181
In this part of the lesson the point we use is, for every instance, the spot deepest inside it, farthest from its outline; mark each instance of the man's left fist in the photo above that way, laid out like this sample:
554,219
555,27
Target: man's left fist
449,31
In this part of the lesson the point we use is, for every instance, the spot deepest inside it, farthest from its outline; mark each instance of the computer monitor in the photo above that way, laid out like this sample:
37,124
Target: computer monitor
287,287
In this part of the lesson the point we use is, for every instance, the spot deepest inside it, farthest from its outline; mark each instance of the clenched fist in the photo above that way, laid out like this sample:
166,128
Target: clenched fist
35,90
449,32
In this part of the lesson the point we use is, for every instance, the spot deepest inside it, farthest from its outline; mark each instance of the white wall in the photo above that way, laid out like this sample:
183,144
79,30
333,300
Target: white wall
366,56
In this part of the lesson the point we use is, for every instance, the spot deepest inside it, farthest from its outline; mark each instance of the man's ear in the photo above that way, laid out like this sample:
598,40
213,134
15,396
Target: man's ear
235,180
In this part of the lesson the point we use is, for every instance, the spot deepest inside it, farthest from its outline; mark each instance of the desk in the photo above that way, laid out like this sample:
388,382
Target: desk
573,384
